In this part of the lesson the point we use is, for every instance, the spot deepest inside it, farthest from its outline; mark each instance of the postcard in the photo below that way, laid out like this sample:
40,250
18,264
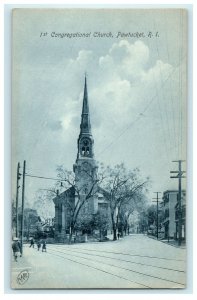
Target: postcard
99,131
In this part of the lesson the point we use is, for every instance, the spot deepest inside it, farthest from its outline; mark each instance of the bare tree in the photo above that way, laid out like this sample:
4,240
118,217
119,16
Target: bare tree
121,185
136,204
43,202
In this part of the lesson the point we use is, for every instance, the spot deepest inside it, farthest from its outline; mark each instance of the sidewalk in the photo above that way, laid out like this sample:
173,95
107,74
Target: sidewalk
171,242
17,268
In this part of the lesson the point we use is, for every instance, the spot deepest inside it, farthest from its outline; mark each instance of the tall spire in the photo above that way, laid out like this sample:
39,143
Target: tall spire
85,116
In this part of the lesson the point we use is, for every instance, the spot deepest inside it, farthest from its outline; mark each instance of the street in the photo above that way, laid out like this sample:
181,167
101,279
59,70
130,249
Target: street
136,261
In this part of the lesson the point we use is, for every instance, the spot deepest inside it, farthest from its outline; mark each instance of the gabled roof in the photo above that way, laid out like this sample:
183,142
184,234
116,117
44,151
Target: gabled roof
69,192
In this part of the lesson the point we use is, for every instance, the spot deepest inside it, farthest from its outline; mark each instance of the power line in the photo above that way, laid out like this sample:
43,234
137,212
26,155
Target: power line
141,114
157,200
179,176
18,176
181,83
130,125
171,95
23,204
109,145
42,177
162,93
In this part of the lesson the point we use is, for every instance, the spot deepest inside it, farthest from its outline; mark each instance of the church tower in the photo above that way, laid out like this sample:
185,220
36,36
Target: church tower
86,186
85,167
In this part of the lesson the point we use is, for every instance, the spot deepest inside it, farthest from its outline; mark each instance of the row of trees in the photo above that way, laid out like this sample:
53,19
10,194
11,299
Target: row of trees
148,219
124,190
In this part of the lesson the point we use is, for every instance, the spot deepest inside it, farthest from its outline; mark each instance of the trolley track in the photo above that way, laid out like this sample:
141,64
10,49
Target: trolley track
123,260
98,269
127,254
67,253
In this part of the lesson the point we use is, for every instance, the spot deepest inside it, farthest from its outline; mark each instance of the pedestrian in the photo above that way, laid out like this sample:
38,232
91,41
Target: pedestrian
44,246
38,245
16,247
31,243
118,235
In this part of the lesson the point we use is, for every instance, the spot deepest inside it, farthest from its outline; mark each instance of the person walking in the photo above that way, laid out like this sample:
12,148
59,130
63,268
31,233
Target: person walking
31,243
16,248
118,235
38,245
44,246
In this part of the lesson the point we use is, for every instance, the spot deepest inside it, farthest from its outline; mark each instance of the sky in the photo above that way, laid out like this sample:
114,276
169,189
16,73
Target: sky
137,88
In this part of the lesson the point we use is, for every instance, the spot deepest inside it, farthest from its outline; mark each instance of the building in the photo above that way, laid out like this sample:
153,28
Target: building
169,202
171,214
161,228
183,217
85,169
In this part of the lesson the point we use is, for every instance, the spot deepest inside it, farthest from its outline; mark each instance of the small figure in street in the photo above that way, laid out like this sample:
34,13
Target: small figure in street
38,245
31,243
118,235
44,246
16,247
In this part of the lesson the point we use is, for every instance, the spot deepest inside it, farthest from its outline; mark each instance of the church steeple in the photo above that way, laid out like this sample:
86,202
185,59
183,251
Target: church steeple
85,163
85,126
85,140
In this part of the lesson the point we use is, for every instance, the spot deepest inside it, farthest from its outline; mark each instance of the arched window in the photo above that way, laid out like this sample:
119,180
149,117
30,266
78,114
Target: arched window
85,149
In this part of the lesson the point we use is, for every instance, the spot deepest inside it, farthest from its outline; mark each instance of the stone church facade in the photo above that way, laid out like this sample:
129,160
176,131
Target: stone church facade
85,170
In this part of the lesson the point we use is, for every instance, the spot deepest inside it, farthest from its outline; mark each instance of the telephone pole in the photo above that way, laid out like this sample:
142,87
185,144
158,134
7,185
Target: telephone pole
22,213
179,176
157,200
18,176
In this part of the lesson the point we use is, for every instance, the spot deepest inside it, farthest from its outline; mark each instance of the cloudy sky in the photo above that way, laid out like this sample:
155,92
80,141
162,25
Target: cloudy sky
136,87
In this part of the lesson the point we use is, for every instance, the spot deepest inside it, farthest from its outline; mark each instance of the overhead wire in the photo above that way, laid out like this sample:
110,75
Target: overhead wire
181,86
42,177
139,115
171,94
161,108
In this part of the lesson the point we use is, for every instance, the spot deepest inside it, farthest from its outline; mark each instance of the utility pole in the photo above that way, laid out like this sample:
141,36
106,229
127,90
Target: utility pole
179,176
22,213
157,200
18,176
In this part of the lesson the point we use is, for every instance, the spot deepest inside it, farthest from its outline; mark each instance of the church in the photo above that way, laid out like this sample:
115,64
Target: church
85,171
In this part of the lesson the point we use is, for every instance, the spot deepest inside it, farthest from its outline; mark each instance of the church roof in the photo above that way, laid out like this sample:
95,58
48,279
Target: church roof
70,192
